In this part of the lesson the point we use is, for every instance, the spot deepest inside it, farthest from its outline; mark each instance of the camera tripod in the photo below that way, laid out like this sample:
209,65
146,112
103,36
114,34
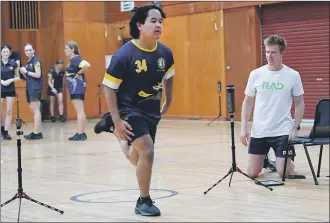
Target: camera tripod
234,167
20,193
219,96
218,117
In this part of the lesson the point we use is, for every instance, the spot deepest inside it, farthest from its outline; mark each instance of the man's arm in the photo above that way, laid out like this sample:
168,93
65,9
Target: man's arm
299,109
111,100
168,85
246,111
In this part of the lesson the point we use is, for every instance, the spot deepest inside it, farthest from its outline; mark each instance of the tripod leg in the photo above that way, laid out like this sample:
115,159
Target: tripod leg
42,204
231,176
12,199
256,181
230,171
218,117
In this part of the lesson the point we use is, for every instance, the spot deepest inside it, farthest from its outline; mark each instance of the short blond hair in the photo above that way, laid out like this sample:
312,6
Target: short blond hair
276,40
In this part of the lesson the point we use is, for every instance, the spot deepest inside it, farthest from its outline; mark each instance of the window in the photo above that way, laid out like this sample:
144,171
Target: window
24,15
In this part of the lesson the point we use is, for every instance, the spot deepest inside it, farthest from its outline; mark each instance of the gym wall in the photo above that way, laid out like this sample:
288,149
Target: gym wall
211,41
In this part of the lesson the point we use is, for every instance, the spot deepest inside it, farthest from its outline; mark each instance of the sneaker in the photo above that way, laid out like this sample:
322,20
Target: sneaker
78,137
6,136
33,136
62,119
53,119
105,124
146,207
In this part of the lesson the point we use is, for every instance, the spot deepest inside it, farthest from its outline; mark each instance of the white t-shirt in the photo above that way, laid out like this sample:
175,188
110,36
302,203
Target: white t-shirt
274,91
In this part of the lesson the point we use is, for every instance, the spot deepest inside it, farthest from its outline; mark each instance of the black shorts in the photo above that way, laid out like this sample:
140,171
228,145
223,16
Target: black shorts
8,94
50,93
33,95
261,146
77,96
141,127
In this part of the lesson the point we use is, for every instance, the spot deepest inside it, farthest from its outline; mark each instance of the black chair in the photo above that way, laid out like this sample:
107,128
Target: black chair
319,136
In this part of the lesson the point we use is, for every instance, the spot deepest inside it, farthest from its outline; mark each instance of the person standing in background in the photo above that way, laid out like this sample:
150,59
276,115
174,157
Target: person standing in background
55,89
33,74
9,74
76,81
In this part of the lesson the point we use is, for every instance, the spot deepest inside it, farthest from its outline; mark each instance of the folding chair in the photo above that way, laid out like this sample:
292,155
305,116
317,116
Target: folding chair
319,135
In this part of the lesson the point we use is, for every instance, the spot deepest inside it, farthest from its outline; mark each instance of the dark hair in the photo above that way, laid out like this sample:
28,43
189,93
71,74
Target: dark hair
73,45
7,46
59,62
139,16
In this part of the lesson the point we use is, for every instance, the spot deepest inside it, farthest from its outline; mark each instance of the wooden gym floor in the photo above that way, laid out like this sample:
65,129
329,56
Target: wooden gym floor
92,181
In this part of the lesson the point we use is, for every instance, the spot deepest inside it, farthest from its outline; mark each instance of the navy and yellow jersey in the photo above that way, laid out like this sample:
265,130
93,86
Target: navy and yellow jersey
75,85
31,82
15,56
137,74
8,72
57,77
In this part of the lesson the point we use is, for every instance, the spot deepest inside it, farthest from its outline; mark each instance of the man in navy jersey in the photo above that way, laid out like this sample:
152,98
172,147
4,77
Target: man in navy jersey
133,91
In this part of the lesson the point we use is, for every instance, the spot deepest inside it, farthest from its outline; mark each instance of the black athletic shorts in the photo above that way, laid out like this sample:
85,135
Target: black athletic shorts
77,96
50,93
141,127
8,94
261,146
33,95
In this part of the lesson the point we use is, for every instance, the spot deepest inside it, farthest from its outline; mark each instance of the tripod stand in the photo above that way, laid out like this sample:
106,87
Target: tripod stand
218,117
219,96
20,193
99,96
234,167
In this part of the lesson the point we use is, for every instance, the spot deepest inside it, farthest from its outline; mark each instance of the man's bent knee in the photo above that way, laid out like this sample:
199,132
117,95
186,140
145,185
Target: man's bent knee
280,166
254,172
255,164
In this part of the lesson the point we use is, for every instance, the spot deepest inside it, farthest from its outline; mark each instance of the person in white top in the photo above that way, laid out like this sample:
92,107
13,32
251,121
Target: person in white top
273,87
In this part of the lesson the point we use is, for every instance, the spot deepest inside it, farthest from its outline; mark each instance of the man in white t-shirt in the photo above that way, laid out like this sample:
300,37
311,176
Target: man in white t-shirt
274,87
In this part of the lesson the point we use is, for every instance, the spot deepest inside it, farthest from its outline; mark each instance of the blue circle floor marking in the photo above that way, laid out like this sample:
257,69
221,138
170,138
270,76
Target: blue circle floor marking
77,198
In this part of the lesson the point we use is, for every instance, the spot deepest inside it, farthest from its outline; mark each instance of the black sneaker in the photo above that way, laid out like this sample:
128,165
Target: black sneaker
105,124
53,119
78,137
33,136
62,119
146,207
6,136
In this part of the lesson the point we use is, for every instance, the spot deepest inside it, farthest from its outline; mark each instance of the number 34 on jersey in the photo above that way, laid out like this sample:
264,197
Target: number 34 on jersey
141,65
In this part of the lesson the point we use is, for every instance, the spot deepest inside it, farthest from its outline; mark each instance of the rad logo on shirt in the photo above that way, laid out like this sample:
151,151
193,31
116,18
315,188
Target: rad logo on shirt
272,86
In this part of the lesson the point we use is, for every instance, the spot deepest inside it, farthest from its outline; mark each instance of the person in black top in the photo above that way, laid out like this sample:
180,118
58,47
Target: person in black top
9,74
55,88
33,74
77,82
13,55
133,86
